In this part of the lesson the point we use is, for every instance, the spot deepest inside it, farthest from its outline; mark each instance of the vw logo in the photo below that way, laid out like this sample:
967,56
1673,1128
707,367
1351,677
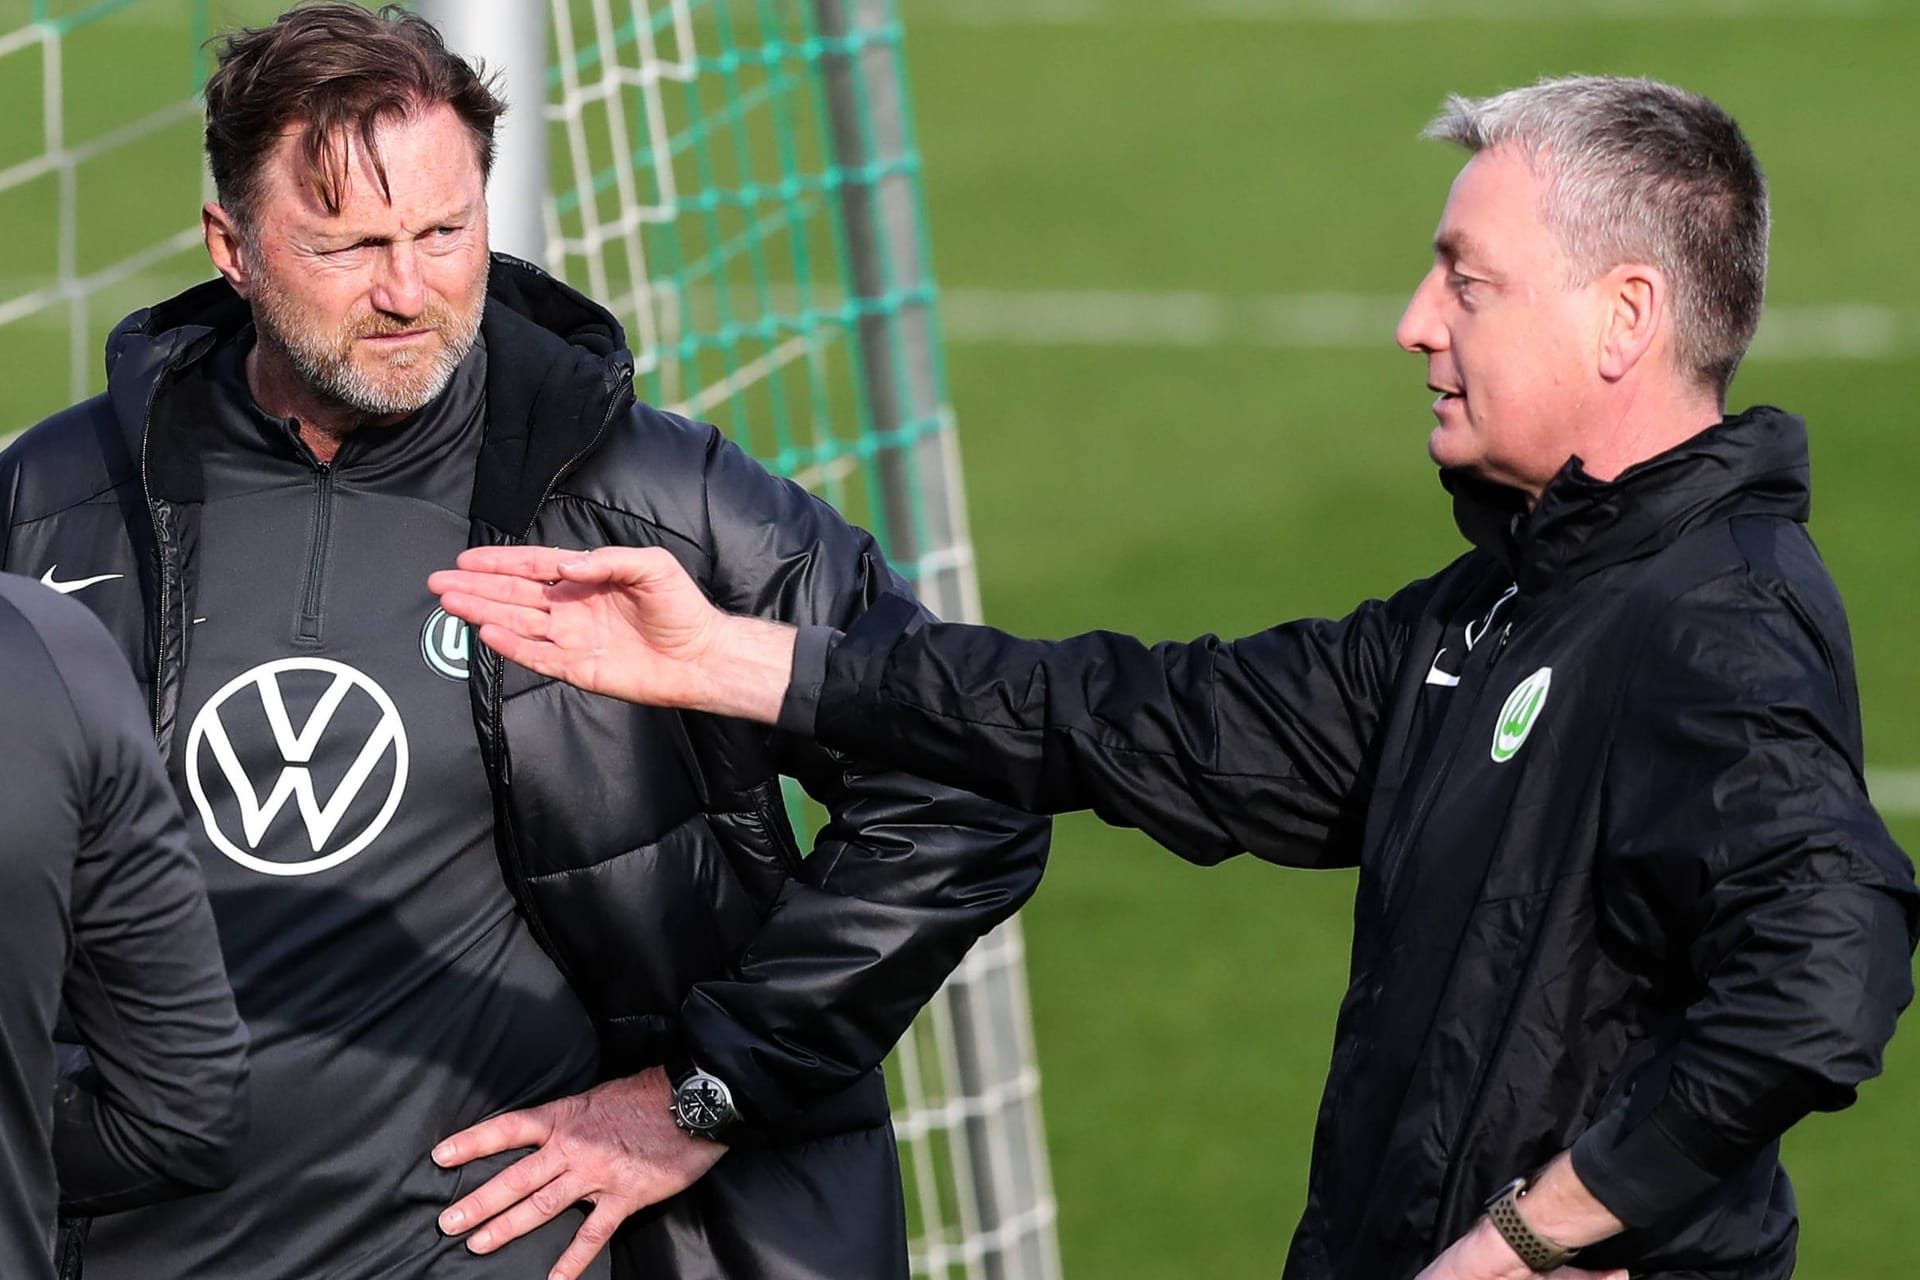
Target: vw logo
443,643
211,755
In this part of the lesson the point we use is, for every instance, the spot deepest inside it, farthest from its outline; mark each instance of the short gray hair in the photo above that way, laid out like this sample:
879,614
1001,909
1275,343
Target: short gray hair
1639,171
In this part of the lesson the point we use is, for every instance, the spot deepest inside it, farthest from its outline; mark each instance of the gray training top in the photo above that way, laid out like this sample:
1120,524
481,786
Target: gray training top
104,910
327,760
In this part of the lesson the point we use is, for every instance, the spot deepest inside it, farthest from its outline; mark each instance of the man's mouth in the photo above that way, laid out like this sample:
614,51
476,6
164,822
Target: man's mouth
1447,395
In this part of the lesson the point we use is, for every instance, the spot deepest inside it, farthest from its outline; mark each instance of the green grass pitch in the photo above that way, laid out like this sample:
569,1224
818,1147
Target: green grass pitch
1169,458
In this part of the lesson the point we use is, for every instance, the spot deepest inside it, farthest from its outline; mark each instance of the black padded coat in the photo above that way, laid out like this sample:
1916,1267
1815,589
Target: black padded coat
648,850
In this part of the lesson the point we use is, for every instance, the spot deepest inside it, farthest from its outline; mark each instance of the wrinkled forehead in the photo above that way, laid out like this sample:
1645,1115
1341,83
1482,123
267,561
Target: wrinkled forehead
405,165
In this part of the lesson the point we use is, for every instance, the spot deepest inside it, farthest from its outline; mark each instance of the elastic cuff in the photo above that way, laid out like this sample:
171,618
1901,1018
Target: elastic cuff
801,707
857,667
1646,1173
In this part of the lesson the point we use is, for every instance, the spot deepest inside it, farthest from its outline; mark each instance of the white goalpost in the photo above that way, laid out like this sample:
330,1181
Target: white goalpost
738,180
741,178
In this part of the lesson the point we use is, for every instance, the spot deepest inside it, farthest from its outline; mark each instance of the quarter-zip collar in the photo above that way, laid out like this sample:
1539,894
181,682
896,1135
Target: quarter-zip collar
1754,463
242,430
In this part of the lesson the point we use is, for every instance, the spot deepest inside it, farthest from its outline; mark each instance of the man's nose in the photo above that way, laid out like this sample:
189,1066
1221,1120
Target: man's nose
399,289
1420,329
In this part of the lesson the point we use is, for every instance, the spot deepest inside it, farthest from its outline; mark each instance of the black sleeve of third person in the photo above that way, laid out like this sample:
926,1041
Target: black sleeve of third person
163,1107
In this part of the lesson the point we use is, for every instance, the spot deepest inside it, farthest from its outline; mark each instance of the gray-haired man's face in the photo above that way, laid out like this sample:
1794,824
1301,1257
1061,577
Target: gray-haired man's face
1508,339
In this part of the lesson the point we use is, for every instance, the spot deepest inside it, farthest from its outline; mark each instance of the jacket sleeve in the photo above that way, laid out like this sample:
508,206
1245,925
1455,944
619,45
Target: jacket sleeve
1743,860
903,879
162,1108
1213,748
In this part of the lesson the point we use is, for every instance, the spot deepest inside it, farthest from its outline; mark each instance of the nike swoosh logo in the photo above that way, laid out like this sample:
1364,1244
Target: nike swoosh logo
68,588
1436,676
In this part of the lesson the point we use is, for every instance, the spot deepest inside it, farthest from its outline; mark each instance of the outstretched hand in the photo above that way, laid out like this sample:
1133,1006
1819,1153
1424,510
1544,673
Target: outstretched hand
623,621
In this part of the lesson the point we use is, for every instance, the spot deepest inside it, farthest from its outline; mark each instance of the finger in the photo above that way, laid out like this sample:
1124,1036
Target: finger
535,655
536,1209
533,623
589,1240
542,564
628,566
503,587
519,1181
504,1132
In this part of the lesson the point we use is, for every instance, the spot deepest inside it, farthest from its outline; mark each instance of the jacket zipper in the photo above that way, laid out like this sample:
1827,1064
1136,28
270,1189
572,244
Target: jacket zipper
621,385
496,700
1390,867
779,830
162,573
307,627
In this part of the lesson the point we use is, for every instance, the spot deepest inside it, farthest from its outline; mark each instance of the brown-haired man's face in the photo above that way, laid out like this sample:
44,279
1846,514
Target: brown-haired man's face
375,306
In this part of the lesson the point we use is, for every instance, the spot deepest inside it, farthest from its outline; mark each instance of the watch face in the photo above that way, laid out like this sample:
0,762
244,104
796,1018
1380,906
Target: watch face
703,1103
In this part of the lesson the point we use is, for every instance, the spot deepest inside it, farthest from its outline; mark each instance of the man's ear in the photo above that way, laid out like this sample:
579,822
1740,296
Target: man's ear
1636,299
227,246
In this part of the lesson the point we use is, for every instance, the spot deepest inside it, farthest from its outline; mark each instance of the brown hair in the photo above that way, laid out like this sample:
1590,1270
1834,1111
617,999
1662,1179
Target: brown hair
333,71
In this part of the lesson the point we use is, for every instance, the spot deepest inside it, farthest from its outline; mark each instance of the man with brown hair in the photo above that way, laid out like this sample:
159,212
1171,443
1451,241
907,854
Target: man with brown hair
469,911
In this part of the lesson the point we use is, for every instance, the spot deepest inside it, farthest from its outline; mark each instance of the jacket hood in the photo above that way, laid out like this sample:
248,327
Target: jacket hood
146,341
1754,463
554,357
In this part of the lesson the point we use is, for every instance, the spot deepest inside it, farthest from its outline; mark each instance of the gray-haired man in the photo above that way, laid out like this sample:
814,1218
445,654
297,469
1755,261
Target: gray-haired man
1625,912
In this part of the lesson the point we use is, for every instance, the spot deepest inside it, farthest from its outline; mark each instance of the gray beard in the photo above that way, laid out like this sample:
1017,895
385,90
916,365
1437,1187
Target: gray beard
325,365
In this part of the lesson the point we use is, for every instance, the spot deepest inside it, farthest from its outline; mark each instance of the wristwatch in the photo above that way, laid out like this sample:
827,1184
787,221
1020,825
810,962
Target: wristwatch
702,1104
1539,1253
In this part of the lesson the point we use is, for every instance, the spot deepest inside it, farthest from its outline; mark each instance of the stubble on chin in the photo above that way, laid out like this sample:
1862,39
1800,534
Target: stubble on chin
334,365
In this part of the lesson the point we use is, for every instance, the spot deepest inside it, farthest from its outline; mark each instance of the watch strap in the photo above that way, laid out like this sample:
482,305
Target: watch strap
1539,1253
678,1064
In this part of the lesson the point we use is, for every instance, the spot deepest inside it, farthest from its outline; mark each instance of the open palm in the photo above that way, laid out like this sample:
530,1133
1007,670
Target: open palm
623,621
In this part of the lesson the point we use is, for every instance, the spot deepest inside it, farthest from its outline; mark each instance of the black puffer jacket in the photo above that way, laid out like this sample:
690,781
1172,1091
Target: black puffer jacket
649,851
1621,888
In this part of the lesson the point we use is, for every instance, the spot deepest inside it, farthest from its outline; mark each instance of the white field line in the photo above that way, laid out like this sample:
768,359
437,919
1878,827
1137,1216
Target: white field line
1075,13
1340,321
171,16
1111,317
1895,792
1855,331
